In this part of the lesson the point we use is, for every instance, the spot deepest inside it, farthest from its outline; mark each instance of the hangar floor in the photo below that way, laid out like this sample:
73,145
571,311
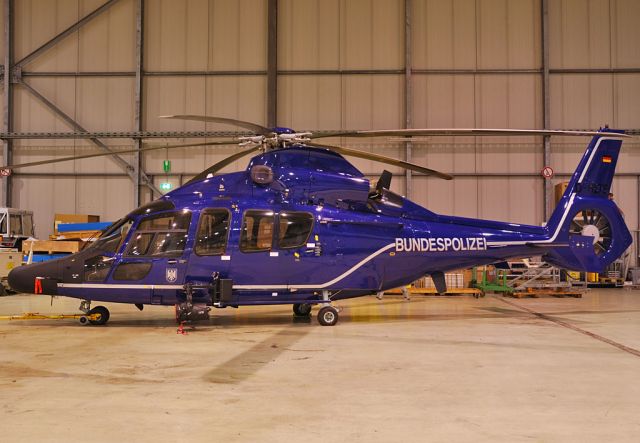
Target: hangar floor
432,369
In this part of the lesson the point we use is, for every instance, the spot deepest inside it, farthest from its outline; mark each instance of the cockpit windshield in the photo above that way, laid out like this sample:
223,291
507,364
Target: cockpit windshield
111,240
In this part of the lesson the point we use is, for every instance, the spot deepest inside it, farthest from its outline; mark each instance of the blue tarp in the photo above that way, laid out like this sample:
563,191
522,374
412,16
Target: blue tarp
72,227
44,257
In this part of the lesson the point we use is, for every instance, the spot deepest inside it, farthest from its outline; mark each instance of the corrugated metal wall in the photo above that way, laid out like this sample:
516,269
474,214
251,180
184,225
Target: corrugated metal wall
476,63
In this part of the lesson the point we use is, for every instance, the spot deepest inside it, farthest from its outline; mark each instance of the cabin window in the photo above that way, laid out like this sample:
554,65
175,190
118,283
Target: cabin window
162,235
257,231
294,229
213,228
132,271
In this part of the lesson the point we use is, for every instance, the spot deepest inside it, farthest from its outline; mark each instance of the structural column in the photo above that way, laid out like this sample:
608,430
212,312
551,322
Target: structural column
408,102
546,108
137,158
7,150
272,63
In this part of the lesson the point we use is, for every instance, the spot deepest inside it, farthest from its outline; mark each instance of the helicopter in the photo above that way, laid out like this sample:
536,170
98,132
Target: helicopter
301,225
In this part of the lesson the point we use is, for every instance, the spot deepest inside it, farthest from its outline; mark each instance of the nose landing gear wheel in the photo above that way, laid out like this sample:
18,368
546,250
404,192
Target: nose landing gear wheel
301,309
328,316
104,315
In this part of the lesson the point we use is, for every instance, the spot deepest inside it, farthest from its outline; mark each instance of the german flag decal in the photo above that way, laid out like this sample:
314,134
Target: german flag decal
606,159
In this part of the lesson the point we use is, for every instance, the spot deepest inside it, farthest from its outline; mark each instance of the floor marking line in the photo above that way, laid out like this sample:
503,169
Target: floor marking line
593,335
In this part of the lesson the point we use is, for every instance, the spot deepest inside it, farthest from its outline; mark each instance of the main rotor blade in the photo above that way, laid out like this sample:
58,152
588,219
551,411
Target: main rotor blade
261,130
227,161
383,159
464,132
104,154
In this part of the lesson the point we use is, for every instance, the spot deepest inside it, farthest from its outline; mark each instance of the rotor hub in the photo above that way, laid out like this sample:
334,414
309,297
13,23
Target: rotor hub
591,231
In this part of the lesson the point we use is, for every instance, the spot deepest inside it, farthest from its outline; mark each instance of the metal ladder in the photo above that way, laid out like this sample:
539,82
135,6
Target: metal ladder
538,275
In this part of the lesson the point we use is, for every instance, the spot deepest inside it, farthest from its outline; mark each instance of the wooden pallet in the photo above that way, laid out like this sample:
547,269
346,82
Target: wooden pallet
616,281
51,247
535,293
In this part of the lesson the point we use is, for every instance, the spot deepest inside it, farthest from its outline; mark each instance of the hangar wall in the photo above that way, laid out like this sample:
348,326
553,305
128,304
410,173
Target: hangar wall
341,65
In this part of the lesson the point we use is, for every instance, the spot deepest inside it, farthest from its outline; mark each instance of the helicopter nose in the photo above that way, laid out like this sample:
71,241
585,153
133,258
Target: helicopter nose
23,278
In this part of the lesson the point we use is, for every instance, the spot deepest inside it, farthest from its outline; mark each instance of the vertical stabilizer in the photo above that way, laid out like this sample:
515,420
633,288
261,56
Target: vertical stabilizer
586,218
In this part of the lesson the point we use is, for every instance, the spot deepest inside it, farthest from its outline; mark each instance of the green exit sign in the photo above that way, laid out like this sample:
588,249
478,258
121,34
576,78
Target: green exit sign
166,165
165,186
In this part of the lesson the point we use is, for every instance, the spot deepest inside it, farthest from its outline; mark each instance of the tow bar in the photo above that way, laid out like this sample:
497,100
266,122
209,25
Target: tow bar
84,318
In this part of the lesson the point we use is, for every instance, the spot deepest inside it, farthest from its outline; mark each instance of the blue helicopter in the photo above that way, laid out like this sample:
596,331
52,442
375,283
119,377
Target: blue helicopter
303,226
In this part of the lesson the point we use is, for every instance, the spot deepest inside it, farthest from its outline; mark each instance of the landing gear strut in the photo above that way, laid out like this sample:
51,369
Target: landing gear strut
101,311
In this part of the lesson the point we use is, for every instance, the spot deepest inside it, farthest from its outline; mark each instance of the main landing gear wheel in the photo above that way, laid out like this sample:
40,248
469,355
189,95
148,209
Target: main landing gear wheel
302,309
104,315
328,316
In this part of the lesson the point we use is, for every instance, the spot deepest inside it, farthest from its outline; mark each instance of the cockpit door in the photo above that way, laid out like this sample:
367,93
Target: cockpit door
154,261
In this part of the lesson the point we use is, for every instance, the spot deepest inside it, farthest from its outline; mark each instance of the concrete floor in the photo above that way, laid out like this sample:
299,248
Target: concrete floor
432,369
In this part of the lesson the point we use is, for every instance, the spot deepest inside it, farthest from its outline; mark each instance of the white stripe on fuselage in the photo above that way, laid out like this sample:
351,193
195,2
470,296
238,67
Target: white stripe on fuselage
249,287
323,285
119,286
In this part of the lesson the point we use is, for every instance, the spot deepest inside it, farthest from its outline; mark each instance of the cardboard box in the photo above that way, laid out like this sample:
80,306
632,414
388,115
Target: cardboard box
8,261
73,218
559,190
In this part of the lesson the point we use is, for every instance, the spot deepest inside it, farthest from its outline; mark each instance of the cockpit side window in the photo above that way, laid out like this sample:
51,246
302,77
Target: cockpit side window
257,231
213,229
160,235
166,222
97,268
294,229
111,241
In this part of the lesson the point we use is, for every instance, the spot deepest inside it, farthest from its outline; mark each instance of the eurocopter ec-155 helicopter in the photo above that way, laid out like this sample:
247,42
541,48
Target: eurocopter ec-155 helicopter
303,226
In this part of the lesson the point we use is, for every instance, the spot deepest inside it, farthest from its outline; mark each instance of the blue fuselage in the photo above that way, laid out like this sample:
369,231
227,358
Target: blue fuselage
316,228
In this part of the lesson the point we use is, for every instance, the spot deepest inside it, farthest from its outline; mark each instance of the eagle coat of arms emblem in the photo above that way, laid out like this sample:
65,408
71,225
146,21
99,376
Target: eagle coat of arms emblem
172,274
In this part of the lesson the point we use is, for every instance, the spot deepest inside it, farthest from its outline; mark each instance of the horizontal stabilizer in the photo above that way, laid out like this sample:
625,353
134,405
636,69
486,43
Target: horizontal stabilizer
548,245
